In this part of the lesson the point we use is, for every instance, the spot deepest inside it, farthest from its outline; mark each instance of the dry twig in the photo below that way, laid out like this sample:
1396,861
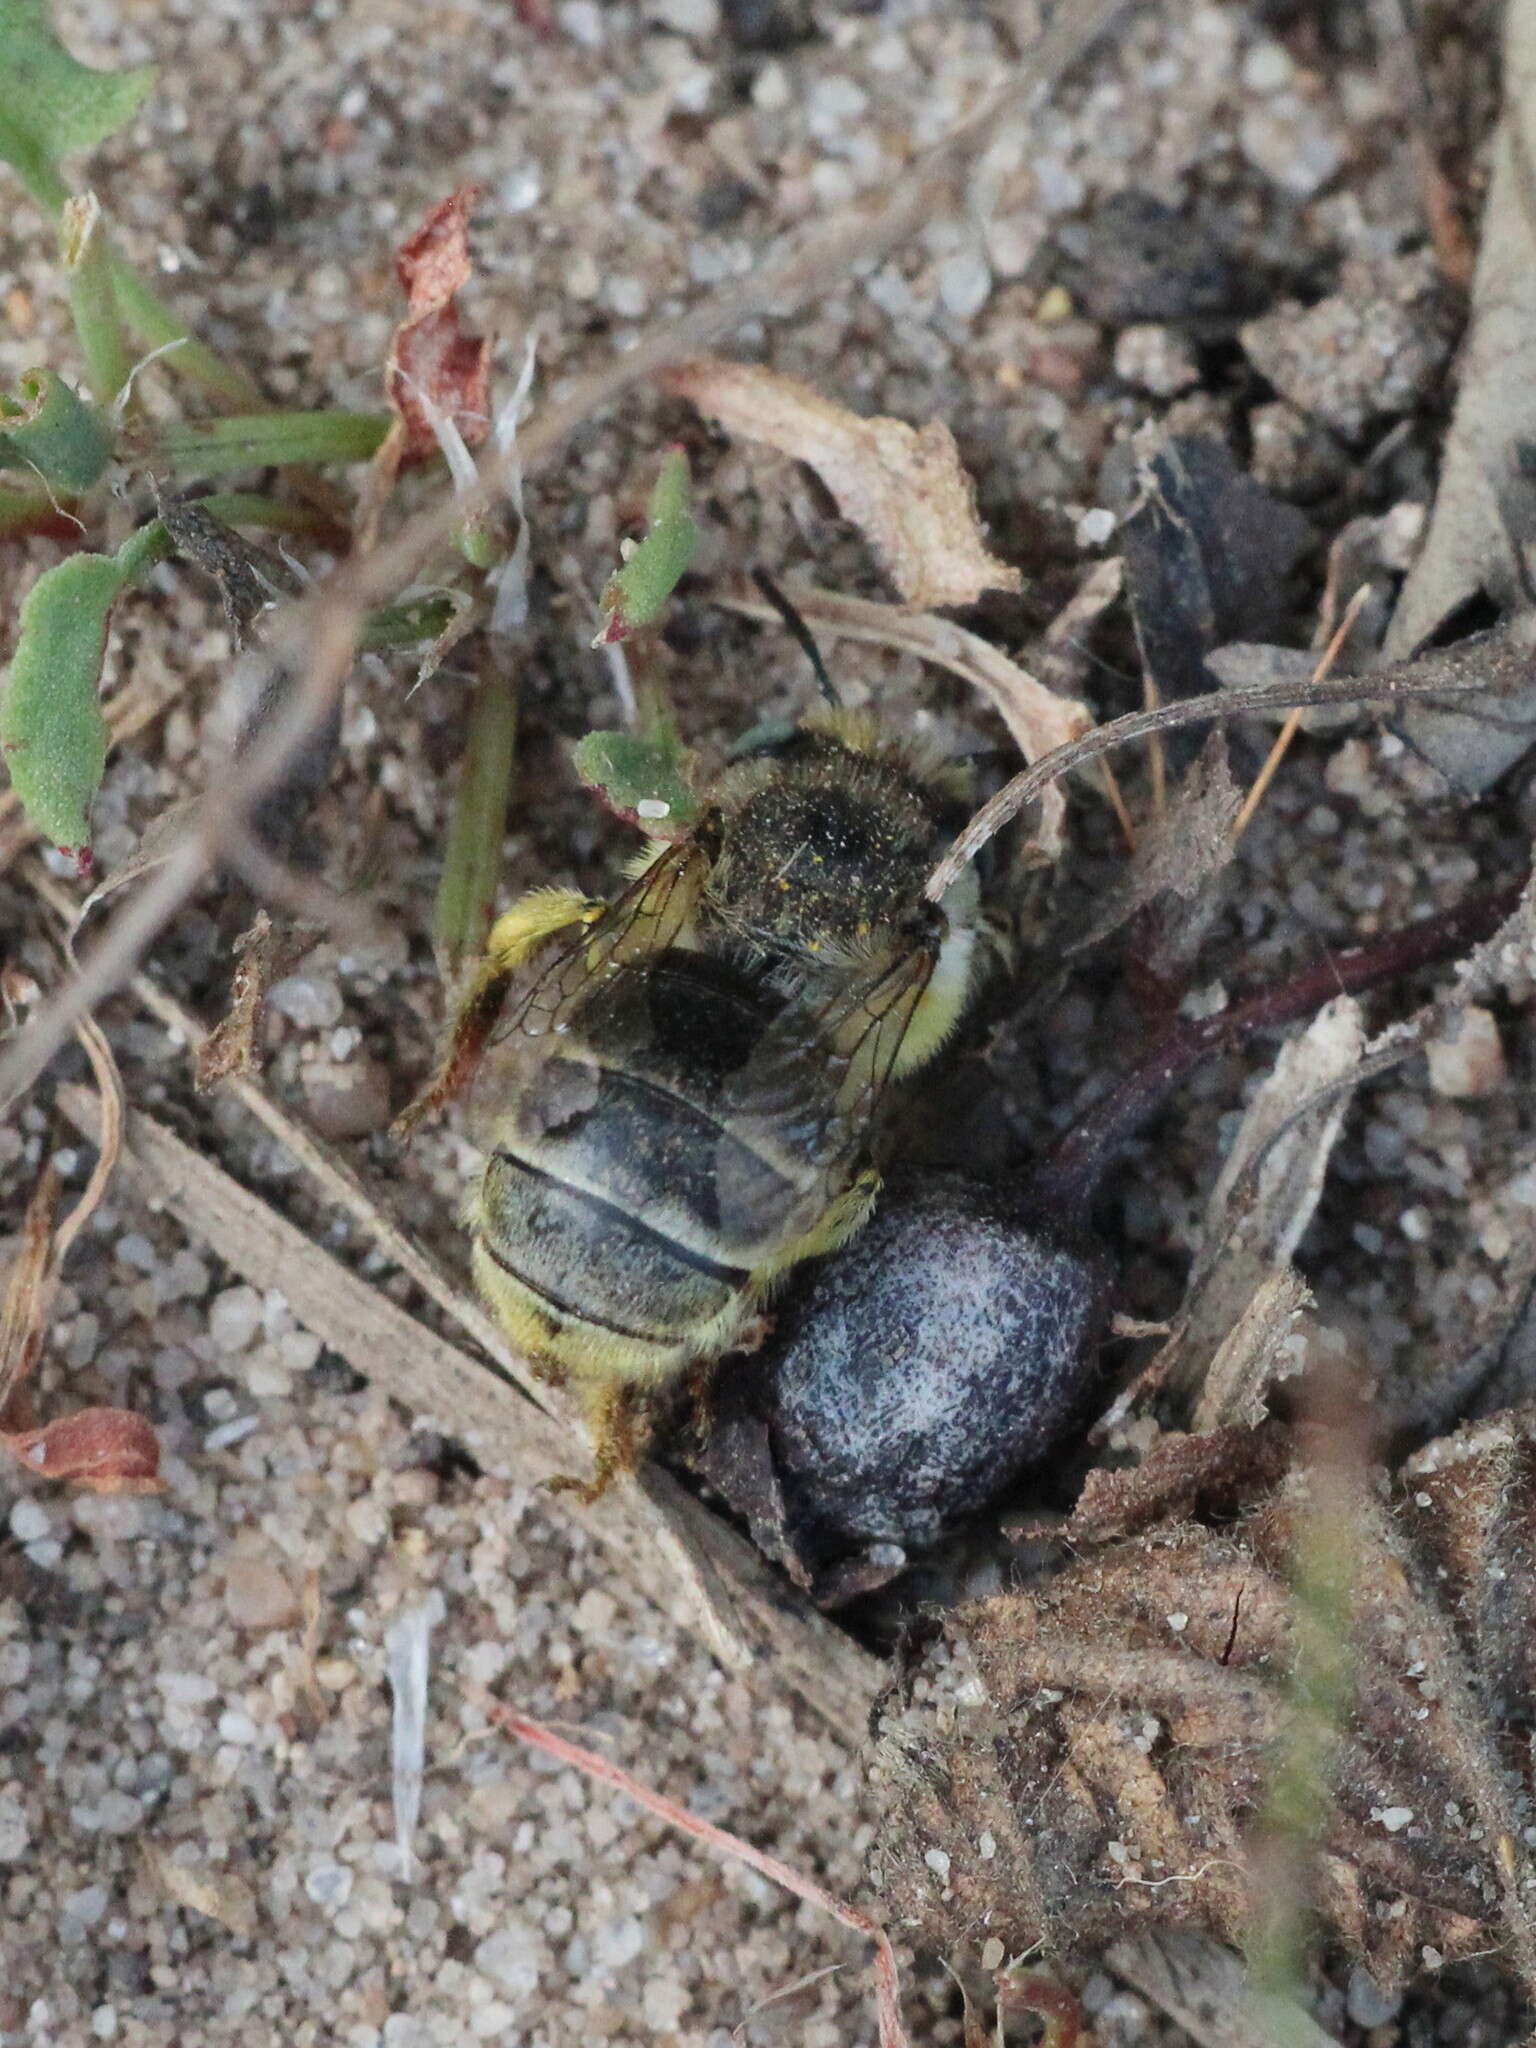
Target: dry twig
1387,686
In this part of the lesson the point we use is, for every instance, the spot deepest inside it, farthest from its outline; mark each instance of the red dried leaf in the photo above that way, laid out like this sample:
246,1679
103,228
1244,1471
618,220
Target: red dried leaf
432,363
109,1450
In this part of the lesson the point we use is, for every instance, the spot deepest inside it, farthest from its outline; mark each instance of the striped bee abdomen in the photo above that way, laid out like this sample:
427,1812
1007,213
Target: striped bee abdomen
622,1195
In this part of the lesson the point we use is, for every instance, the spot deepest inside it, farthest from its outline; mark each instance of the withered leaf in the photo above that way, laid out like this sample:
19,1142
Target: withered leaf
1182,853
1111,1774
230,1047
904,487
1207,551
1210,1474
108,1450
1261,1204
432,364
1201,1985
1252,1358
1471,1500
214,1894
248,578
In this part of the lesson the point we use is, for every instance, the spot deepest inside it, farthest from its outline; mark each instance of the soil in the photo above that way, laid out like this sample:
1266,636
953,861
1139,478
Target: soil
160,1702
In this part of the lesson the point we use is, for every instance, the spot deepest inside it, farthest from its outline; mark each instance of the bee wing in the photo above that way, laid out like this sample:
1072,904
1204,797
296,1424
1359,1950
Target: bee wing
646,918
823,1067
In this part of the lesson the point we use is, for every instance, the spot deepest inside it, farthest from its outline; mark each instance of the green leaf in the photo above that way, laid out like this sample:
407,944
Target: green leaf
466,893
642,779
98,318
49,429
53,736
264,440
634,595
50,103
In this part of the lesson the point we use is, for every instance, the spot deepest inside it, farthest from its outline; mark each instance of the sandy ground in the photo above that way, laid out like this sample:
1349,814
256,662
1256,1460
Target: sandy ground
158,1705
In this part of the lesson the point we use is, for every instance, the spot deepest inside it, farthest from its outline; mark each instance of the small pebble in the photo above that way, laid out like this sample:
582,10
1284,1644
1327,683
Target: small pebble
330,1885
513,1956
257,1595
965,283
697,19
1367,2004
1095,527
613,1945
770,89
312,1004
15,1829
1268,67
234,1318
663,2003
1155,358
1469,1060
1373,348
1288,139
833,106
29,1521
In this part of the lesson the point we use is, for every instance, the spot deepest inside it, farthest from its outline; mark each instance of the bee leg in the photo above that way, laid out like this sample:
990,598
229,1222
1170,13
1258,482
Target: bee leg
615,1418
532,919
842,1219
700,1388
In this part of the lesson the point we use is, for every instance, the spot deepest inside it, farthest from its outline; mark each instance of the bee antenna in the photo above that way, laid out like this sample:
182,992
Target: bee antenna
802,633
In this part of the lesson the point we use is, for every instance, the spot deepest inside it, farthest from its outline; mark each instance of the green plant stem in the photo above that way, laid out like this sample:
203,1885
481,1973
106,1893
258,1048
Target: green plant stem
274,515
147,315
466,893
1300,1801
33,511
268,440
145,546
406,625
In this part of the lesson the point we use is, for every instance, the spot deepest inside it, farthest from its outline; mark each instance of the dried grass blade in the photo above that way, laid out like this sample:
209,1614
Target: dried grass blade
24,1309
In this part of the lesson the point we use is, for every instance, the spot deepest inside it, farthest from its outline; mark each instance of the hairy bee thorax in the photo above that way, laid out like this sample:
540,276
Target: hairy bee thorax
828,838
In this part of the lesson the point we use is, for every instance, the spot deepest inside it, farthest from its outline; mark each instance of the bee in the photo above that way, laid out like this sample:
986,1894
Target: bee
677,1089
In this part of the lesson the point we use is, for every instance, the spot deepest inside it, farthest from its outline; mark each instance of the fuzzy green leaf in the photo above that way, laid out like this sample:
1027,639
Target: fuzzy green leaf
634,594
50,103
49,429
53,736
643,779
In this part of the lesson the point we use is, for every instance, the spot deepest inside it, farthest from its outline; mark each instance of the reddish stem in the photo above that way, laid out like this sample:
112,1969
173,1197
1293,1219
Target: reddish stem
1068,1180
